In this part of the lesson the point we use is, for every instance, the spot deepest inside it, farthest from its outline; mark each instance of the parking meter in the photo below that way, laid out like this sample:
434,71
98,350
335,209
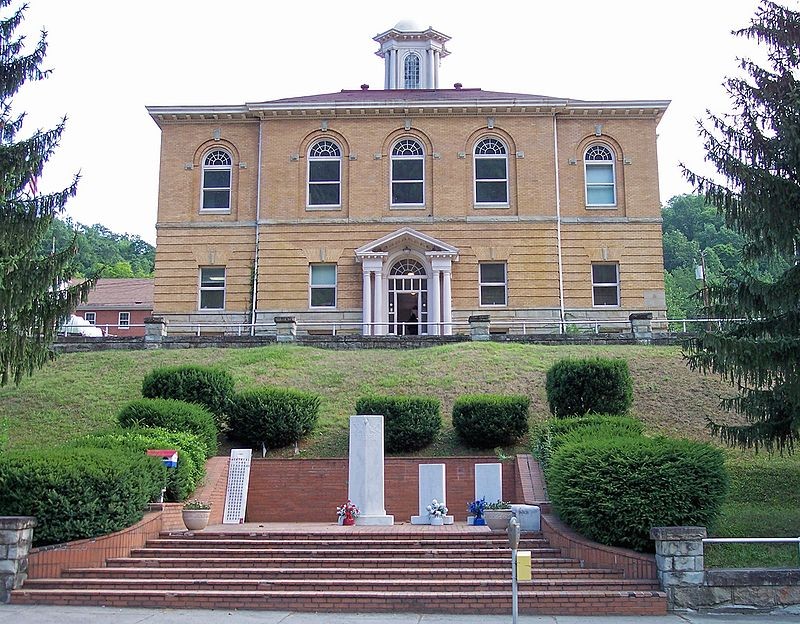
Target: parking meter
513,533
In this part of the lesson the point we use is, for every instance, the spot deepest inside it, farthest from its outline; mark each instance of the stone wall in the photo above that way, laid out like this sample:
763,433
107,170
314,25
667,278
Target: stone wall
16,537
688,585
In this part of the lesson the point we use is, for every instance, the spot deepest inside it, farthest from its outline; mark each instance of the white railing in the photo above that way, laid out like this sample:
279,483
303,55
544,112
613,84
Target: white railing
754,540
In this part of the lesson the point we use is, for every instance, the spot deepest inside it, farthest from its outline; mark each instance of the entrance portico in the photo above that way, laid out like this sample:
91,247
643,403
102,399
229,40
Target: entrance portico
406,277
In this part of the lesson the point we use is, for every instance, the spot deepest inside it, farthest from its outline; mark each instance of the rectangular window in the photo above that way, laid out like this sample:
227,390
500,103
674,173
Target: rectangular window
212,288
605,284
323,183
600,185
90,317
323,286
124,320
492,284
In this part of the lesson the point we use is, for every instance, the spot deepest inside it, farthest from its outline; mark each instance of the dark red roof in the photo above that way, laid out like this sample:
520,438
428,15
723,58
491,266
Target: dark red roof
386,96
120,294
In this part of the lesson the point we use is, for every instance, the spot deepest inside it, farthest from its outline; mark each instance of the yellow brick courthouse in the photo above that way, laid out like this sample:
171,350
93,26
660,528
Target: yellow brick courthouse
410,208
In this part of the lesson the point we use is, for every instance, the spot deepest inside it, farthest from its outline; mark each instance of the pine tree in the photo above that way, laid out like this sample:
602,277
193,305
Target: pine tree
34,292
756,151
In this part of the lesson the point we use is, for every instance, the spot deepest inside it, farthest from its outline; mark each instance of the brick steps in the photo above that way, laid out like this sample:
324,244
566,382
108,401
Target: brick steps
496,572
565,602
462,571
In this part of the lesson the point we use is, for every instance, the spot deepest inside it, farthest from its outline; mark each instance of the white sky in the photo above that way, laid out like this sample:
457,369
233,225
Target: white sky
111,59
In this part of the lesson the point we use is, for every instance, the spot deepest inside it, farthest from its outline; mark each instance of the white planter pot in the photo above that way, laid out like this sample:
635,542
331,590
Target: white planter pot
196,519
497,519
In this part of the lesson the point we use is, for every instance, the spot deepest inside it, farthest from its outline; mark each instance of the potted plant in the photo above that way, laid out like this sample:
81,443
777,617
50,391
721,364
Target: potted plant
436,512
347,513
195,514
498,515
477,508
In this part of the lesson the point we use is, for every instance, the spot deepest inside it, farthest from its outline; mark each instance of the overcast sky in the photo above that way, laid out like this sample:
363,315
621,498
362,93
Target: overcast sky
110,59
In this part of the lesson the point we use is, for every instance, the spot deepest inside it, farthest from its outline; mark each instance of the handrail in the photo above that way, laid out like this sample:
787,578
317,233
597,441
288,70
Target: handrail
751,540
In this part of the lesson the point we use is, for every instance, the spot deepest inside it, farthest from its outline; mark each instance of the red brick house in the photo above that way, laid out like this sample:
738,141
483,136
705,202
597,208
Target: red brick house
119,306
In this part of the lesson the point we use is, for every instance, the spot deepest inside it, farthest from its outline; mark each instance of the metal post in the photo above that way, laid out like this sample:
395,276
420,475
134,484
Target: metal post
513,538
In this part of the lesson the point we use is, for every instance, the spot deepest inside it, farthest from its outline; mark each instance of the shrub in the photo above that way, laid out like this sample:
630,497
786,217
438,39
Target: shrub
599,385
210,387
489,420
614,491
272,416
77,493
409,422
173,415
180,481
556,432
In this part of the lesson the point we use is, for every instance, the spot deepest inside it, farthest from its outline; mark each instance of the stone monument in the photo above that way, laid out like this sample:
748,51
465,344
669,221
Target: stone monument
365,468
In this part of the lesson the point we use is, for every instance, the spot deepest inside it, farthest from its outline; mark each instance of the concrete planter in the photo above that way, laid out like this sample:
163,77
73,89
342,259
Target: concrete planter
497,519
196,519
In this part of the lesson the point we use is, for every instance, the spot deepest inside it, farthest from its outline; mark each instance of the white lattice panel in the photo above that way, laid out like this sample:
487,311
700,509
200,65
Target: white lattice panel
238,481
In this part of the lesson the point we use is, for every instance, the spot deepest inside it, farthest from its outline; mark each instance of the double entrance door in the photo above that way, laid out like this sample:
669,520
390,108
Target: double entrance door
408,299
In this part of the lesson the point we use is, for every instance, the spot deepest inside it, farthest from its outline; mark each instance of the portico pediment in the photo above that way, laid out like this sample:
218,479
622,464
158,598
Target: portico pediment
407,237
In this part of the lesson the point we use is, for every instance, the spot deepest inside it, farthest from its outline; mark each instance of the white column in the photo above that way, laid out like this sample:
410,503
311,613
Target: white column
429,69
379,307
436,69
366,302
447,303
393,70
387,63
435,313
365,470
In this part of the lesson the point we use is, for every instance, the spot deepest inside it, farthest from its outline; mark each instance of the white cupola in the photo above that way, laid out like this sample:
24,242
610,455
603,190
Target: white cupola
411,54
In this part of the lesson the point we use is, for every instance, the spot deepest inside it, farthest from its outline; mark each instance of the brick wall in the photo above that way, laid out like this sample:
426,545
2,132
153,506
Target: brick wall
309,490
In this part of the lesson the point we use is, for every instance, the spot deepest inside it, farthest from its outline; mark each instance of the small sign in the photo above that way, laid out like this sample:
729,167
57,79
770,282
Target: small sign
168,456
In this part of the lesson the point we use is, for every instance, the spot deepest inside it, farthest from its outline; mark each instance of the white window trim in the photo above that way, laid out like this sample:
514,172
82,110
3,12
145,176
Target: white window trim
90,317
586,183
504,284
127,324
310,159
335,286
201,288
475,157
616,284
392,158
203,170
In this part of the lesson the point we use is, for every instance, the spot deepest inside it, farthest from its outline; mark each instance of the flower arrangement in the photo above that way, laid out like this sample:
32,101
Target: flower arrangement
436,509
477,507
194,505
498,505
348,512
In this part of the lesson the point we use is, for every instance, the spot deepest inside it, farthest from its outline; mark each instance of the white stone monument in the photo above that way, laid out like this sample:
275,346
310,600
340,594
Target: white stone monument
431,485
365,485
489,482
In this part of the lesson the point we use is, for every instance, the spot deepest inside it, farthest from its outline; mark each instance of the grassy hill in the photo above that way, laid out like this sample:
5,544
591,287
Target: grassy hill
79,393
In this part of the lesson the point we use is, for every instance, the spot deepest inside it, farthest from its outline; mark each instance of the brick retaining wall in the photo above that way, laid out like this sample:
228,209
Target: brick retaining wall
309,490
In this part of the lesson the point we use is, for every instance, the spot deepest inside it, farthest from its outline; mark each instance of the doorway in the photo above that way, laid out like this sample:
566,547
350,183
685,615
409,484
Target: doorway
408,298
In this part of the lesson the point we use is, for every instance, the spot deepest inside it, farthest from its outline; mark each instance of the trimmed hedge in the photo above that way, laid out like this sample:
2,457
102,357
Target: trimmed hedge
614,491
204,385
489,420
597,385
180,481
409,422
554,433
272,416
77,493
173,415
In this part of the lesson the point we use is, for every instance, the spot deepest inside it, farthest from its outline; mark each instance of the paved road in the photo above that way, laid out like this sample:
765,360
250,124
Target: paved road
13,614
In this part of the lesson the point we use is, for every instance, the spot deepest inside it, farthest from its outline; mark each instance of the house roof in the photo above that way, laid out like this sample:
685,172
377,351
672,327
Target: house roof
120,294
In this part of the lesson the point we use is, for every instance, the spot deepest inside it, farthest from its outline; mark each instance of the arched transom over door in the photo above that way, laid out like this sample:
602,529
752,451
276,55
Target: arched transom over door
408,298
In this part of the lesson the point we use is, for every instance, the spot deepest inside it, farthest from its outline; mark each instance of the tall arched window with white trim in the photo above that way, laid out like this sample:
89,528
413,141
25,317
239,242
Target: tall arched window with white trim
601,187
324,175
491,172
408,173
217,166
411,71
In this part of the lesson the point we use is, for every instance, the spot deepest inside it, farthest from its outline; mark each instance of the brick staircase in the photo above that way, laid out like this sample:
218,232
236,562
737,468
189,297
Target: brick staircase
426,569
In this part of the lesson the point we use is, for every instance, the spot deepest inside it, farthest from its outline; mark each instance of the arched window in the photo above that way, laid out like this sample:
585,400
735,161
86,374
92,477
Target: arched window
217,181
411,71
491,172
324,174
601,188
408,173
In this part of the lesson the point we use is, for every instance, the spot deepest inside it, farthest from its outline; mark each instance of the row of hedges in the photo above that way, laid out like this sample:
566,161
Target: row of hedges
612,484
